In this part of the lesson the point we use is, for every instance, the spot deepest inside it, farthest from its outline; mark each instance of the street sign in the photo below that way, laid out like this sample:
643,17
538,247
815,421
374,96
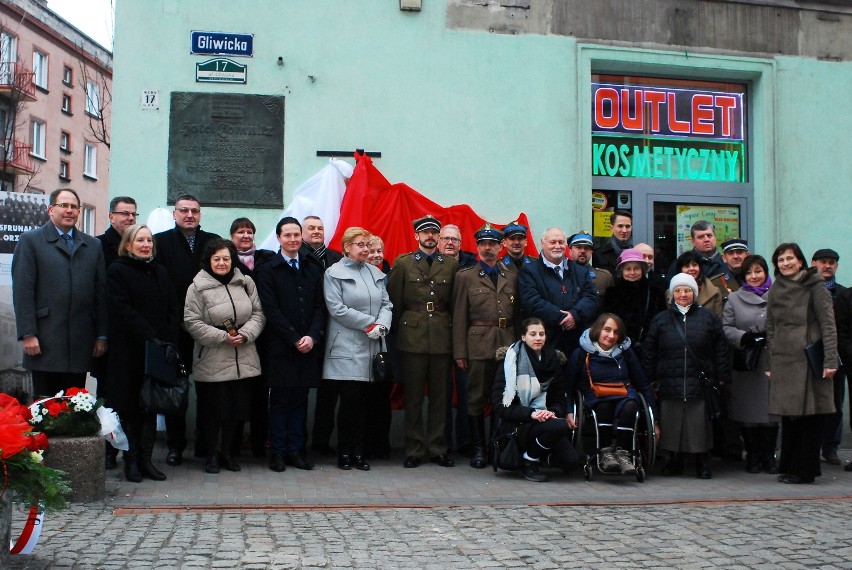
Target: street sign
221,43
150,100
220,70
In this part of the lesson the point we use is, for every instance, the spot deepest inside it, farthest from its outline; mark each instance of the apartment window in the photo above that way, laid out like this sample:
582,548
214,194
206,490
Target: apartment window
65,141
39,131
90,167
67,76
93,99
88,215
66,104
40,69
64,170
8,56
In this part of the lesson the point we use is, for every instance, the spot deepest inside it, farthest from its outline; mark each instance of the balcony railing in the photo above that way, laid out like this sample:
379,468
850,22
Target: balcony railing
17,160
15,77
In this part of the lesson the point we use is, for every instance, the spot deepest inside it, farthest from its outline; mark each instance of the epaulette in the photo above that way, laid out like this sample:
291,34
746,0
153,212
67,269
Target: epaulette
468,268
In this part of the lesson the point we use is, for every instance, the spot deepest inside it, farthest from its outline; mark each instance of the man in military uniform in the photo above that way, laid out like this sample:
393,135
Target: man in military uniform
582,246
515,242
484,319
734,252
420,286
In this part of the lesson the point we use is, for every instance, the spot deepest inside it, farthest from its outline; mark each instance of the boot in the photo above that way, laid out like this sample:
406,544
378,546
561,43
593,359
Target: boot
702,465
477,440
625,463
131,464
754,458
768,438
530,472
609,462
146,450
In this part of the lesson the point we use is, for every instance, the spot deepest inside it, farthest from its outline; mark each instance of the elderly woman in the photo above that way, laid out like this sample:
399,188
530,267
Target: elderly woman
249,258
709,295
634,298
223,315
799,313
744,322
685,349
143,307
605,356
359,311
529,396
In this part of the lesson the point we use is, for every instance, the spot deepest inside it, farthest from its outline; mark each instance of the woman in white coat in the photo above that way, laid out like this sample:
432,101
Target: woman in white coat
359,311
224,316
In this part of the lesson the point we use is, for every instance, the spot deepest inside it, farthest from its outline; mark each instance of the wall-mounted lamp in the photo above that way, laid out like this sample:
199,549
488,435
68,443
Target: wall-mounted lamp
410,5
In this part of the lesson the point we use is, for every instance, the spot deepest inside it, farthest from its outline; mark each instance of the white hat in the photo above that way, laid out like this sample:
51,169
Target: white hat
684,279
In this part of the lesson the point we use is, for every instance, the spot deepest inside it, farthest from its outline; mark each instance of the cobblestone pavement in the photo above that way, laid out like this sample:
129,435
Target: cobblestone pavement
433,517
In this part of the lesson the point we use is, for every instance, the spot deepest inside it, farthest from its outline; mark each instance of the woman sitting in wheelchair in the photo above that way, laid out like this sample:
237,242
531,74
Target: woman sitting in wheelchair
608,374
529,395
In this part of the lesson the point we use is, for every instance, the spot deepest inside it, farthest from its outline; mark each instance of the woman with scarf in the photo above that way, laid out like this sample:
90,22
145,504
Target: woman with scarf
799,313
249,258
223,315
605,357
529,395
744,322
685,350
143,306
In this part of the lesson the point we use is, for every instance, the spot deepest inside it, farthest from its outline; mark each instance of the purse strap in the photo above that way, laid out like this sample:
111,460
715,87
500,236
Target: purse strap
702,375
382,346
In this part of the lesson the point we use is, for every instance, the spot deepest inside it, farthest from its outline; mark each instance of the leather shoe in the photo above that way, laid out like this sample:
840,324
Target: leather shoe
411,462
298,461
360,463
831,458
443,460
211,466
174,458
276,463
344,462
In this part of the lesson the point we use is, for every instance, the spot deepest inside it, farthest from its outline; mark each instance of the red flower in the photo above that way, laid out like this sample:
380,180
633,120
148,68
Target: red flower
37,442
74,391
53,408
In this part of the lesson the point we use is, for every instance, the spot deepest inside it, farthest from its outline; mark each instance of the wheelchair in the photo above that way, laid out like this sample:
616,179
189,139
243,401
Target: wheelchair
586,439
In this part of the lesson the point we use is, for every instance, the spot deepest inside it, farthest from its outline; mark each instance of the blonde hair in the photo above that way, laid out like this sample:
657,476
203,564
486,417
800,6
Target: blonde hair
129,235
350,234
373,239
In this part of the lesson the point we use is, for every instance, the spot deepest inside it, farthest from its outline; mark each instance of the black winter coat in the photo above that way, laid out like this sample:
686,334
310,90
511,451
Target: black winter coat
636,302
142,306
667,362
110,241
516,414
294,306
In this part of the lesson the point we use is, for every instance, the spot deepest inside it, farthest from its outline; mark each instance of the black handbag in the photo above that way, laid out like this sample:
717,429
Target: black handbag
382,371
505,453
165,389
746,359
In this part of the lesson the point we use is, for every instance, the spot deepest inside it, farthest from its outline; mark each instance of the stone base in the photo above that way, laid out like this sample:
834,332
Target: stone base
5,528
82,458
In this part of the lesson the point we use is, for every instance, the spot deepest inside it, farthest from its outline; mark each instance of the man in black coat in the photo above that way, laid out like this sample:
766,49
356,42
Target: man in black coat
559,292
179,250
290,286
122,215
606,255
704,243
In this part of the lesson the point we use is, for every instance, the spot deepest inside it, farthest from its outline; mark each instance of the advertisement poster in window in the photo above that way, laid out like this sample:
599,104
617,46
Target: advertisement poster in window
725,218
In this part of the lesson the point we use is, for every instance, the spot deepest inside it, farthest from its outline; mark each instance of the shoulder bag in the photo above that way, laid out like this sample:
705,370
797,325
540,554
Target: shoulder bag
605,389
165,389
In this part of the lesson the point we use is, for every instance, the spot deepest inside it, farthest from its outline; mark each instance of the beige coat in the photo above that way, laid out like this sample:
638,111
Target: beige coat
208,304
799,312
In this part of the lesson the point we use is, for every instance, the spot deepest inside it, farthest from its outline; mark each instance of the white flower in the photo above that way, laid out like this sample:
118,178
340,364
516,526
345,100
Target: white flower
37,456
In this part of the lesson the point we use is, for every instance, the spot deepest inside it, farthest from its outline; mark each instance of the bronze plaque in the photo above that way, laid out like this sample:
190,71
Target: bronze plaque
227,149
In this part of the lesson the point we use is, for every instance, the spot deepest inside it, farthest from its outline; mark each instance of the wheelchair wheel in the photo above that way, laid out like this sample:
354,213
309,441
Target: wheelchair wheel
580,420
587,471
646,439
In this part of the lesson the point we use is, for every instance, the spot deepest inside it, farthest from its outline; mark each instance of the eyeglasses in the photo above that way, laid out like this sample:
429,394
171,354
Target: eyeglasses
67,206
125,213
361,244
683,290
450,239
185,211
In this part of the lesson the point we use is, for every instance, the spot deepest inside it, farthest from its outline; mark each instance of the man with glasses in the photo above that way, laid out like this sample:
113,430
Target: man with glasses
122,215
450,242
59,296
179,251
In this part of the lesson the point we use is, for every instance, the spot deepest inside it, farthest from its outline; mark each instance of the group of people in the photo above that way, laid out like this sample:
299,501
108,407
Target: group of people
258,329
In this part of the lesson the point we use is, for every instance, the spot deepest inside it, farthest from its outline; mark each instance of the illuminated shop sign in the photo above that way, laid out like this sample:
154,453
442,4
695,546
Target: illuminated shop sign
668,129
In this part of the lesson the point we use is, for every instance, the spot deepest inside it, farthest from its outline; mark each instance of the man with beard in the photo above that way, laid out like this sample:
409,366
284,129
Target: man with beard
581,252
420,286
607,254
485,318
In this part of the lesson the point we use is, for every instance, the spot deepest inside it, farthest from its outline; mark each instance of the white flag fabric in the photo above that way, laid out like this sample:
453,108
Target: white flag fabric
160,220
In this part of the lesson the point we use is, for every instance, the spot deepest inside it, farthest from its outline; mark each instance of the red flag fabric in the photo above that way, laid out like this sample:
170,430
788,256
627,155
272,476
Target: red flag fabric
387,210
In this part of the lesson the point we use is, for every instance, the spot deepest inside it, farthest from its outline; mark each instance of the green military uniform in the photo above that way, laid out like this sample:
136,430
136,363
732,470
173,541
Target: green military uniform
421,295
602,279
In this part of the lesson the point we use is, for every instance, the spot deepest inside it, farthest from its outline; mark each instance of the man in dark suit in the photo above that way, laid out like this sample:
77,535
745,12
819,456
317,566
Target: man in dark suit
179,250
559,292
420,286
59,296
290,288
122,215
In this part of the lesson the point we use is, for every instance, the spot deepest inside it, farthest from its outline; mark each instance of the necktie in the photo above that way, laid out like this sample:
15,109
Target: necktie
558,271
69,241
294,264
191,242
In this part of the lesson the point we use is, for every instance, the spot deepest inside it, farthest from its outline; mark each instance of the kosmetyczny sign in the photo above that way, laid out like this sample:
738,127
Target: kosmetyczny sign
222,43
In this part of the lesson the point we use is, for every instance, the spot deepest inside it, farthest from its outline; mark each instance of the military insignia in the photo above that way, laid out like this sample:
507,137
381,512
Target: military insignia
481,273
417,256
592,274
440,258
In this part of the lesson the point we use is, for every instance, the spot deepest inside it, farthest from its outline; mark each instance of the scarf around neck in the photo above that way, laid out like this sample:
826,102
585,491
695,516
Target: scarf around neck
760,290
521,379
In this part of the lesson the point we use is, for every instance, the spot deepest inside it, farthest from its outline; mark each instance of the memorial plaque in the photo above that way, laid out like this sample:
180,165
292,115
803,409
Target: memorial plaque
227,149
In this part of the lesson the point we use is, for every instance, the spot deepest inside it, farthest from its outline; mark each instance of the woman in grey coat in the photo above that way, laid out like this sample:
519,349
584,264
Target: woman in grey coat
359,311
744,321
800,312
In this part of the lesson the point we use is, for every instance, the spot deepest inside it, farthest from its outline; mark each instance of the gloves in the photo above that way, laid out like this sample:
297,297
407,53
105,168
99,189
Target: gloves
374,331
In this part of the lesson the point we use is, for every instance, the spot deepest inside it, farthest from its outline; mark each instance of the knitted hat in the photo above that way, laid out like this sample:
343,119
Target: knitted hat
682,279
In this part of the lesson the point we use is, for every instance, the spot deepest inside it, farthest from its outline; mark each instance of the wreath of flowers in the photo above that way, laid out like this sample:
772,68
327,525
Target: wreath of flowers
72,413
